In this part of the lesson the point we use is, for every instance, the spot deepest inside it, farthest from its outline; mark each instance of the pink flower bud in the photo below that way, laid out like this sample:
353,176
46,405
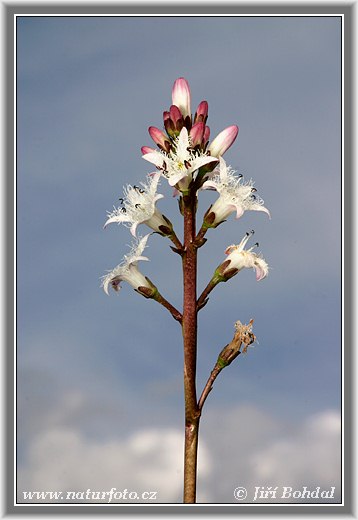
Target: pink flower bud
223,141
158,137
196,133
175,114
181,96
201,113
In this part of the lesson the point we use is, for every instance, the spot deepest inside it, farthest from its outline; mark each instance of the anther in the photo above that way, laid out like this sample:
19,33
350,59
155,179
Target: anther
187,164
136,205
123,210
121,200
253,189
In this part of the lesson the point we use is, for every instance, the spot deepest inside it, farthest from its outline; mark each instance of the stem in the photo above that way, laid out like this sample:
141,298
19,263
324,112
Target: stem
173,311
203,300
176,241
201,234
209,385
189,325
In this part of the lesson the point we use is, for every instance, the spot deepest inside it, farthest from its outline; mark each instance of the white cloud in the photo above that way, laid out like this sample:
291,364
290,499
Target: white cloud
260,450
241,446
63,458
309,456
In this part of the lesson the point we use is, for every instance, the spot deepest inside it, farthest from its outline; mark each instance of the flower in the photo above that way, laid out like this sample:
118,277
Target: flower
238,258
234,196
223,141
179,164
138,207
128,271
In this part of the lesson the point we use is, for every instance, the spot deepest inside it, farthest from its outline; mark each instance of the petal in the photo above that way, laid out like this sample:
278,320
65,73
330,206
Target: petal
158,197
183,144
133,229
259,207
109,281
261,268
239,211
200,161
209,185
116,218
142,244
223,170
155,158
143,258
147,149
176,177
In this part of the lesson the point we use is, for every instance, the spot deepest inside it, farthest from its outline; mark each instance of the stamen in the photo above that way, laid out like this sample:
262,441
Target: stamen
121,200
123,210
136,205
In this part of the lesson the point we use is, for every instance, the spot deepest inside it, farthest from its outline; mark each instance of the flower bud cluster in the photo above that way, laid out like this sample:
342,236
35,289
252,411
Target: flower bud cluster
184,146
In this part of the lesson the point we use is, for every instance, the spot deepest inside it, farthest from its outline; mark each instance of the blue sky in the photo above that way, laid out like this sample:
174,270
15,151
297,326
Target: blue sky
97,372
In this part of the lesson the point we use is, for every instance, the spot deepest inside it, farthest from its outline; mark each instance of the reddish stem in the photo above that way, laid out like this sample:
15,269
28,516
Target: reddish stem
189,325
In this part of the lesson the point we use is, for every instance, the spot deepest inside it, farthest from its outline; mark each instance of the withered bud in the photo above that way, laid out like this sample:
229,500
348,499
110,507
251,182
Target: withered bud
243,337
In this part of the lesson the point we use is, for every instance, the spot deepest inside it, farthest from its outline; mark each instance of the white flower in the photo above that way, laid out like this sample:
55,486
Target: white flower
138,207
128,271
179,164
239,258
234,196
